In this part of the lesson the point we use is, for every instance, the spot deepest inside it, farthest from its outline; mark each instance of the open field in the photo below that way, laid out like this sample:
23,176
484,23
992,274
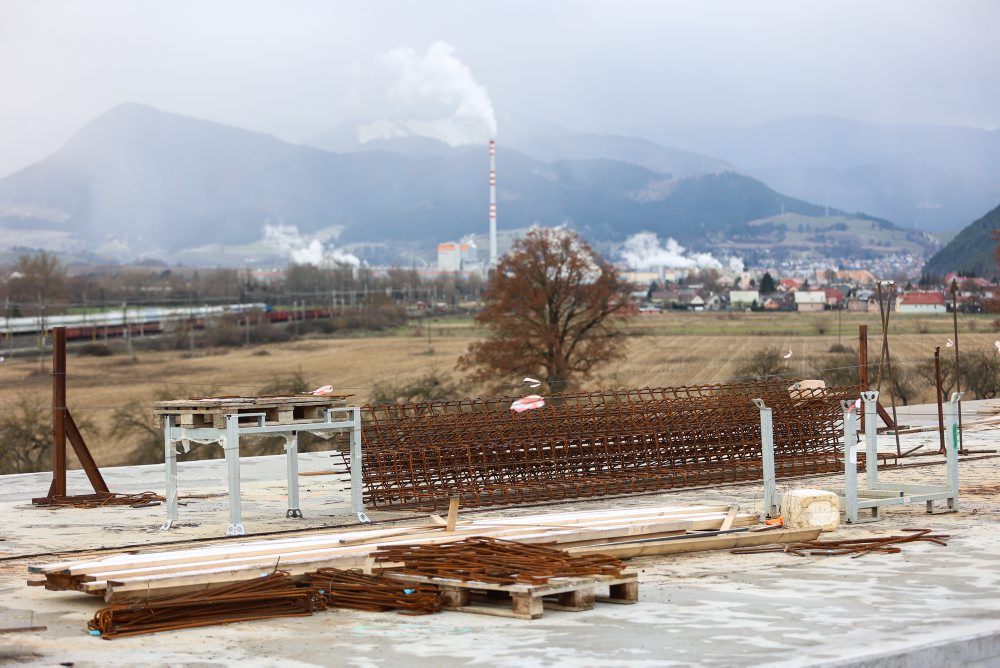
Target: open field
670,349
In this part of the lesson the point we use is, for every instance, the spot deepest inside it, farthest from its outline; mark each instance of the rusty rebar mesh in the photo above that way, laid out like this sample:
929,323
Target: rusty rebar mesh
274,595
493,560
374,593
420,454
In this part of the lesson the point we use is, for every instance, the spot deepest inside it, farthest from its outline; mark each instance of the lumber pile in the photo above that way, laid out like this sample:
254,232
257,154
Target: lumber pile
119,577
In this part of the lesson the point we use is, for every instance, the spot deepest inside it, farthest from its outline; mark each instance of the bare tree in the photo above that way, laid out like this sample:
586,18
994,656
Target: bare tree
549,304
39,276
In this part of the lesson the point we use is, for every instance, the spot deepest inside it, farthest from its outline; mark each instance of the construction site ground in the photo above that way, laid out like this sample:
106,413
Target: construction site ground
928,606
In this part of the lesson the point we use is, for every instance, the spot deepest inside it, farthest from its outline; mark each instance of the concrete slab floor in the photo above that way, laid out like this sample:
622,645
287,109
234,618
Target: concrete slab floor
928,606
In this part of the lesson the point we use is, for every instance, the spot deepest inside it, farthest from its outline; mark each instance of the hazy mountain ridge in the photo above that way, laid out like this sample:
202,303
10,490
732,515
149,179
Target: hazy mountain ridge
167,182
972,251
936,177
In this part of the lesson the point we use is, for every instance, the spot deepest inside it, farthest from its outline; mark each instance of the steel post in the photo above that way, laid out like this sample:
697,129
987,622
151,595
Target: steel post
357,500
58,487
231,445
170,463
771,508
951,462
850,462
871,438
292,462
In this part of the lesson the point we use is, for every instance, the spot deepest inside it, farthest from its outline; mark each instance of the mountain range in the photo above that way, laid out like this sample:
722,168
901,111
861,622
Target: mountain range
934,178
972,252
141,181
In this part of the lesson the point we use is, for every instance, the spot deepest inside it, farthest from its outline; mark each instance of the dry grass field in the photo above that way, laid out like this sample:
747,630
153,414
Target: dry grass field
669,349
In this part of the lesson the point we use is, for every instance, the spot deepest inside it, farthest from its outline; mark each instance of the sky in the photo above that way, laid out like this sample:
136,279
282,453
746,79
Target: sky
297,68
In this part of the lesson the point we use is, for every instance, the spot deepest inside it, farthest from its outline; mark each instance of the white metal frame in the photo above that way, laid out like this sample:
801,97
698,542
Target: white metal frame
237,425
876,494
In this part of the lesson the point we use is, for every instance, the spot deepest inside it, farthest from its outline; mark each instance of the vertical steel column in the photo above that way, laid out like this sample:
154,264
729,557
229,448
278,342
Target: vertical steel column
940,398
292,464
958,372
771,508
871,438
850,463
357,501
231,445
951,463
58,487
170,463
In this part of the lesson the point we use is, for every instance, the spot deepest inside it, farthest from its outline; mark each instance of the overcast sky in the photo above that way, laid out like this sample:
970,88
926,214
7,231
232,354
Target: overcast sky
296,68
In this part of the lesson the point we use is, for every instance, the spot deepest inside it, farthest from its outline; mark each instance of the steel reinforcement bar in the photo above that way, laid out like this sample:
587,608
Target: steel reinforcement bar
420,454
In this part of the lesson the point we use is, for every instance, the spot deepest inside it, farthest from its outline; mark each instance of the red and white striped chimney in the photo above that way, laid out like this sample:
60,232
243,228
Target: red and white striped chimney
493,203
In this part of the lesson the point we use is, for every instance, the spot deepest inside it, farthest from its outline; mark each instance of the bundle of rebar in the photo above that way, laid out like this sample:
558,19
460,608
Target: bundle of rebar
420,454
101,499
497,561
374,593
855,547
274,595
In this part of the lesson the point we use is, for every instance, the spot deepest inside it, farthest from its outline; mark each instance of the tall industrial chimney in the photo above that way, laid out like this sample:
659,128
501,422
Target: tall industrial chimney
493,203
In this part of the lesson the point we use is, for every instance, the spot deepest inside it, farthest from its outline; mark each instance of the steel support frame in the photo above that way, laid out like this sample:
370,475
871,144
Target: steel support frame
876,494
229,438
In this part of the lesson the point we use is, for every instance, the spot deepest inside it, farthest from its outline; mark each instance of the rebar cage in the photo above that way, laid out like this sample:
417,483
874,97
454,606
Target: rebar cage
420,454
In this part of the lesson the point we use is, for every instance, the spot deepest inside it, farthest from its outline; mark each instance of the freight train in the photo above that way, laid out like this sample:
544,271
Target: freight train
140,321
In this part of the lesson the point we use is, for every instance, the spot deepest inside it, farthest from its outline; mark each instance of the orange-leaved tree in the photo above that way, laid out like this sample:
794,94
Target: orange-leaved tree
549,304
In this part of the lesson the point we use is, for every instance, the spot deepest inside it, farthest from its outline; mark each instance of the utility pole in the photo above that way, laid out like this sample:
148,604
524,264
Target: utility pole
41,333
958,374
127,330
7,332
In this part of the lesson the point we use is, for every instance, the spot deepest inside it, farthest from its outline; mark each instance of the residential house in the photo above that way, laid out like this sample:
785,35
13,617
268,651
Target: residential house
810,300
834,298
743,299
921,302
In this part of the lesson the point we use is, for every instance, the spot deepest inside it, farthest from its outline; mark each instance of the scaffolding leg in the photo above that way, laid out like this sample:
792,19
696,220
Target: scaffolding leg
850,462
771,507
232,449
170,464
292,462
871,438
357,502
951,449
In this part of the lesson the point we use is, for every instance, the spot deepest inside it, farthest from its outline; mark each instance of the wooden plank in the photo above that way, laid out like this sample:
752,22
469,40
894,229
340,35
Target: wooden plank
478,527
130,572
725,542
452,514
730,516
24,629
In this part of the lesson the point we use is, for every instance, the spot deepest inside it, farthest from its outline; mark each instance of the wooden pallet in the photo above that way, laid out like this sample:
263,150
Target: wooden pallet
277,410
528,601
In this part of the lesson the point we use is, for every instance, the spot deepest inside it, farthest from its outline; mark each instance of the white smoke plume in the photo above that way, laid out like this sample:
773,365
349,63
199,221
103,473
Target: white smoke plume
287,241
438,77
643,252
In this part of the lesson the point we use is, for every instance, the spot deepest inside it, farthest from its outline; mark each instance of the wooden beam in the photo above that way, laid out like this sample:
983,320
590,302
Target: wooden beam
725,542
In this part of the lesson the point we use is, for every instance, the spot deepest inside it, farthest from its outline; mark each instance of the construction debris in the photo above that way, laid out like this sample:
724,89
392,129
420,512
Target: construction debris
101,499
374,593
856,547
267,597
420,454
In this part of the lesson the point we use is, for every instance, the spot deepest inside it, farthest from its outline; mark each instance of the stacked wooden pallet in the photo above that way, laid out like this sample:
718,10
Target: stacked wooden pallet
137,576
285,409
